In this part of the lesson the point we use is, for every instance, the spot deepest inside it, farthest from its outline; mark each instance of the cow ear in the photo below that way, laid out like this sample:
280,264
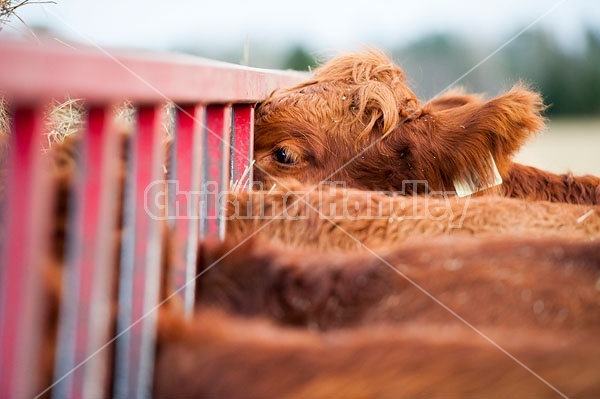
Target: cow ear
507,122
456,97
474,144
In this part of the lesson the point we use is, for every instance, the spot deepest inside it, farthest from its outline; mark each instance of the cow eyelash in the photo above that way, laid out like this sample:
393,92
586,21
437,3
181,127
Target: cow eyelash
285,157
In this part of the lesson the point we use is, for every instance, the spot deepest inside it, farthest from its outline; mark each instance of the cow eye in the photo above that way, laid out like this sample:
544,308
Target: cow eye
283,155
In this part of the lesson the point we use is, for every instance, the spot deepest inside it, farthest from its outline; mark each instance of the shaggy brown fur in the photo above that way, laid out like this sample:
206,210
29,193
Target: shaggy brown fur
536,299
216,356
377,220
549,283
357,121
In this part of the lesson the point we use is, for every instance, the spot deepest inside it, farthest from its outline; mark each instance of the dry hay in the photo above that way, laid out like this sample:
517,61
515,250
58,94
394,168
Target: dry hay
8,9
4,129
4,119
65,118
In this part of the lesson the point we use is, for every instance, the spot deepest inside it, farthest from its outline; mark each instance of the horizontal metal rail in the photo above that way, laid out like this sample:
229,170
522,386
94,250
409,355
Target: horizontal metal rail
31,73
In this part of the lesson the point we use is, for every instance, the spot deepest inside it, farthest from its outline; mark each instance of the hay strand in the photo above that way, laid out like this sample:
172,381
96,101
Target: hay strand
63,120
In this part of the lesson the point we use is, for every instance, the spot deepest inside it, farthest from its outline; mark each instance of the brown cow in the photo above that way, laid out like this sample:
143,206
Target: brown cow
371,333
300,217
357,121
508,282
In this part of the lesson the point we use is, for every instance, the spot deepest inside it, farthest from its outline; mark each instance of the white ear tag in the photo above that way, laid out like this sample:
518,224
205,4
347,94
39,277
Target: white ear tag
473,184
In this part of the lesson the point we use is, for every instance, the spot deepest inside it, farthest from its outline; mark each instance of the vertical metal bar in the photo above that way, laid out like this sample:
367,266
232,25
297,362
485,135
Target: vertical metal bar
139,283
216,168
25,241
242,145
85,324
184,209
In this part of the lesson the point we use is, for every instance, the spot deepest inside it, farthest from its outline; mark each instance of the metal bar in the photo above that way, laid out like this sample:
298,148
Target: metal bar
216,169
242,145
184,206
139,283
30,72
89,277
24,249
